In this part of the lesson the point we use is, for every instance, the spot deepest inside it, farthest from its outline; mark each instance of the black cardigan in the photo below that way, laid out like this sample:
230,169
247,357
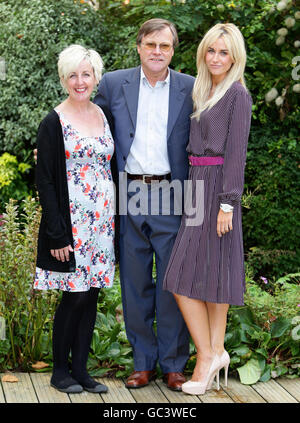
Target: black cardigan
51,179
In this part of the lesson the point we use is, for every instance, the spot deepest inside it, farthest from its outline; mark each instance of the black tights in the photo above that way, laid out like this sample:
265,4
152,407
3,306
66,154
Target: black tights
73,328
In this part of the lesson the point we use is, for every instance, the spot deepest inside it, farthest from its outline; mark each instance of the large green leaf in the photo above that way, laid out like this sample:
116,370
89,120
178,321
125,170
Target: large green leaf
279,327
266,374
241,350
233,339
114,350
245,315
250,372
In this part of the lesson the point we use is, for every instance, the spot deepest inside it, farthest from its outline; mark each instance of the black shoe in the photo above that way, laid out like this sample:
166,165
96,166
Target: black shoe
67,385
90,385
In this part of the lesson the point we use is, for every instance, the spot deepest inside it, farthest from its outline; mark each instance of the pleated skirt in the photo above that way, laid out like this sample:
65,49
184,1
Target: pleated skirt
202,265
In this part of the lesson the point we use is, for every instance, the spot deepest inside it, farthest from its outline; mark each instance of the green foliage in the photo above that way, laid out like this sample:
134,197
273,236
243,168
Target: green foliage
269,65
12,183
111,352
260,347
271,215
27,314
262,337
32,34
273,299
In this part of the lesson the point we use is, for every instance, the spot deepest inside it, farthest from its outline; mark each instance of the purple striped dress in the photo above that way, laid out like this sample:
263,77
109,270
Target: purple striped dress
202,265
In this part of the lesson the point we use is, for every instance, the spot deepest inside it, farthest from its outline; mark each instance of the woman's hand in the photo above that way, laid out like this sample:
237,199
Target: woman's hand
224,222
62,254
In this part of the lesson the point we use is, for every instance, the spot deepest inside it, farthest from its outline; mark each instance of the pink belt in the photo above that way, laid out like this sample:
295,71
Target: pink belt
205,161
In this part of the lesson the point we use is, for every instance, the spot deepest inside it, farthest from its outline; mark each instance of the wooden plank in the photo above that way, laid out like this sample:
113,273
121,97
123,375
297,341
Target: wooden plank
2,397
117,392
214,396
87,397
45,392
242,393
149,394
273,392
21,391
175,396
35,387
291,385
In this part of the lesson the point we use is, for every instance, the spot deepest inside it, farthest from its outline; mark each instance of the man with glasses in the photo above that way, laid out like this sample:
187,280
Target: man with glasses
149,110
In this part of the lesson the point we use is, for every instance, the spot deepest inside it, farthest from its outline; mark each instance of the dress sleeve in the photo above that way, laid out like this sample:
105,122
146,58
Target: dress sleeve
236,149
46,175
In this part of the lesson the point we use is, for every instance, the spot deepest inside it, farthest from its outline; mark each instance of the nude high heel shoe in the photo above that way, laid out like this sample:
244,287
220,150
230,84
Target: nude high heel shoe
199,388
224,363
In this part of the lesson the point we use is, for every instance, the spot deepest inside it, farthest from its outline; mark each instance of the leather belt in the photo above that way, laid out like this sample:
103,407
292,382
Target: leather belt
147,179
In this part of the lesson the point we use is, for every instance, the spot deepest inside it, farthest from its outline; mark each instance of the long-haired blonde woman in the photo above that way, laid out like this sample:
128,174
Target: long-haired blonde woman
206,268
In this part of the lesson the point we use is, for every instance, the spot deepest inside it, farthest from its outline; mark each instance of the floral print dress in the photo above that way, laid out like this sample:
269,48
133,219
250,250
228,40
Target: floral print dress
91,196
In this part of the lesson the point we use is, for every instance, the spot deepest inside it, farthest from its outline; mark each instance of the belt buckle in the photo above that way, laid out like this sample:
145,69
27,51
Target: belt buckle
146,176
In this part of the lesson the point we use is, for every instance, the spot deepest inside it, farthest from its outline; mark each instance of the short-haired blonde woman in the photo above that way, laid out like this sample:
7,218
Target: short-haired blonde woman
75,244
206,268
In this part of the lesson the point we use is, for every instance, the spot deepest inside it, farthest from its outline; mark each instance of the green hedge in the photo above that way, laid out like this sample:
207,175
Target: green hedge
271,216
32,34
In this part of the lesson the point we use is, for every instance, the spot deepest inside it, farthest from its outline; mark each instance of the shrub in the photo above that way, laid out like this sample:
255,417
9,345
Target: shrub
271,216
32,34
12,183
263,337
27,315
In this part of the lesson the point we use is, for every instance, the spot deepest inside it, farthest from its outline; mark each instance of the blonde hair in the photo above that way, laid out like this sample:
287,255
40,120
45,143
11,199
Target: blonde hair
236,47
71,57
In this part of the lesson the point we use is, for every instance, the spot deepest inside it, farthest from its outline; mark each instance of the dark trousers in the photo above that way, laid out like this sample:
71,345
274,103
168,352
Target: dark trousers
142,238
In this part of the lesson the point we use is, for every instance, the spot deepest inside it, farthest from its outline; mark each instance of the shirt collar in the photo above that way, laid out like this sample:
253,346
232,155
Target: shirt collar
162,83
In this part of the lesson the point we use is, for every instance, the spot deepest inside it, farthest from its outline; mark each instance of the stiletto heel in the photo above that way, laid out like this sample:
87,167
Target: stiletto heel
226,375
218,380
224,363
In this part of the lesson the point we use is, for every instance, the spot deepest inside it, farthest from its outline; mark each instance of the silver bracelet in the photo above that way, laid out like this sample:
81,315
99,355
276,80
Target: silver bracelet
227,208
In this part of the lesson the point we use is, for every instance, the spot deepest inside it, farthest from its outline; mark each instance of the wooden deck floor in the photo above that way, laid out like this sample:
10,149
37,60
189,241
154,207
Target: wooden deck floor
35,388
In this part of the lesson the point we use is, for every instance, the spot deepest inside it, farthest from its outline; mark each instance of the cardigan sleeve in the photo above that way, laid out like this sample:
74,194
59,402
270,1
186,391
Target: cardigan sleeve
236,149
46,181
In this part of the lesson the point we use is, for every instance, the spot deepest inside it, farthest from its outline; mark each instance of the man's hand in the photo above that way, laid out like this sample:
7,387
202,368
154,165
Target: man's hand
35,154
224,222
62,254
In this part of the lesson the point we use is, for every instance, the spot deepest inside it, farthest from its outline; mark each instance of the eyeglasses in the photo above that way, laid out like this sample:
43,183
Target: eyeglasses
162,47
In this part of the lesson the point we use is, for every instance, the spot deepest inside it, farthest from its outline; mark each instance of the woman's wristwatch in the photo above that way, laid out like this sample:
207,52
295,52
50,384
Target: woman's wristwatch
227,208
